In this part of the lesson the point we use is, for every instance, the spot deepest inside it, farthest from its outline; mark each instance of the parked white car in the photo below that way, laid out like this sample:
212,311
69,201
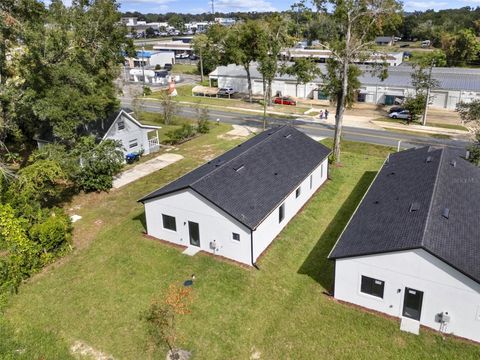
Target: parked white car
404,114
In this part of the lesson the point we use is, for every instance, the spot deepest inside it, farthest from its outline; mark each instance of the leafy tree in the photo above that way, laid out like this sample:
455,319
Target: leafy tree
203,122
272,40
37,186
169,107
211,48
357,24
162,316
333,82
461,48
242,45
177,22
68,70
422,82
98,163
470,115
429,58
304,70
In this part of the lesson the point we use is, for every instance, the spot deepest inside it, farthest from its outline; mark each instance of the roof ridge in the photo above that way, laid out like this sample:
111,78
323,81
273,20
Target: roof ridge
235,157
434,191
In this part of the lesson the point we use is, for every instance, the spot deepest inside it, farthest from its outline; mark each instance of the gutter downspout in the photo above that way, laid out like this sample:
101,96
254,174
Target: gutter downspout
251,251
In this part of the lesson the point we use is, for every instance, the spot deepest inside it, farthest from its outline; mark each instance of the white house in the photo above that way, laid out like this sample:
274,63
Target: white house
412,248
455,85
150,59
235,205
123,127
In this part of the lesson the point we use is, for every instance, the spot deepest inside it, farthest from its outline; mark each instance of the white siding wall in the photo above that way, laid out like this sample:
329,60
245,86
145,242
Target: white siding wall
445,289
162,58
214,224
131,132
375,94
270,227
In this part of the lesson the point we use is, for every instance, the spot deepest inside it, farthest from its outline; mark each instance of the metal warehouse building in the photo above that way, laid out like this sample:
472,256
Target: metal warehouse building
455,85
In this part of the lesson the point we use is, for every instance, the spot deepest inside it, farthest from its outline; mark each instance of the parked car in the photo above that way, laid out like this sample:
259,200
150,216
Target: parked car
193,57
404,114
168,67
225,92
396,109
284,100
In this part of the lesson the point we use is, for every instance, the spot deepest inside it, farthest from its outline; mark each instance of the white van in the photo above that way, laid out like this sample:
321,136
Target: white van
425,43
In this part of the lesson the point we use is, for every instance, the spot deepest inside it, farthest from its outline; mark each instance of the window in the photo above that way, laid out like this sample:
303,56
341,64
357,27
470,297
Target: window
311,182
298,192
236,236
132,143
281,213
121,125
169,222
321,171
372,286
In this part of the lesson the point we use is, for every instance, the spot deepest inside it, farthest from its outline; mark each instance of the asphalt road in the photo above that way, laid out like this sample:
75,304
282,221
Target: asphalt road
379,137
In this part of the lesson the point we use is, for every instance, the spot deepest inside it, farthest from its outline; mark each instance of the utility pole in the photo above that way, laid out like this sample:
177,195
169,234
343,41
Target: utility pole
213,8
201,64
424,120
143,69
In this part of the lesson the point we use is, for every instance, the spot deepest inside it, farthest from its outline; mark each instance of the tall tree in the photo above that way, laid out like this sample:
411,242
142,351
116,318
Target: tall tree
461,48
273,39
68,71
242,47
304,70
358,22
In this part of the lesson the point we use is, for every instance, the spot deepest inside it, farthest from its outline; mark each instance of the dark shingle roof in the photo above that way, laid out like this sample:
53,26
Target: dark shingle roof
250,180
433,180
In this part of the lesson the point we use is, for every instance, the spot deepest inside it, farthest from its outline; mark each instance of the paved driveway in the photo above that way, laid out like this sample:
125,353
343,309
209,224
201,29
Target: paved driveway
145,169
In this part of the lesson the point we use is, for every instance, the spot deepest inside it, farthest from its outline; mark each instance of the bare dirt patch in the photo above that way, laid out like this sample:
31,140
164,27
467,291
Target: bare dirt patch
81,350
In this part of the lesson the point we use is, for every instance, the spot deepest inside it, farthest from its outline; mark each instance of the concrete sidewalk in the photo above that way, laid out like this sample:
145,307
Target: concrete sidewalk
145,169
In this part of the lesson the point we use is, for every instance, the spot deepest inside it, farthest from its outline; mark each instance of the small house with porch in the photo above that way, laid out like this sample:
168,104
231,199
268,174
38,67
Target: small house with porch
134,136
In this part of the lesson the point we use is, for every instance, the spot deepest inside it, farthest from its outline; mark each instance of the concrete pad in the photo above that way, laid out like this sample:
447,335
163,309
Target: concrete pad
410,325
317,138
239,131
145,169
191,250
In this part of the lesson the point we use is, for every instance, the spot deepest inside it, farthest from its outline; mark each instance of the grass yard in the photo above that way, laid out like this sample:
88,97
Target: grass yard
97,294
185,95
187,69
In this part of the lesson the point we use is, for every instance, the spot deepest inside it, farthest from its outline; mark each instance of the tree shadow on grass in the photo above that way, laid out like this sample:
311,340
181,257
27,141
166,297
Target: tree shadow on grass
316,265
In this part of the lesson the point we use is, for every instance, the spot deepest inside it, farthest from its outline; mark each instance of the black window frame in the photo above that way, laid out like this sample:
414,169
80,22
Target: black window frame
235,236
281,213
132,143
370,286
298,192
121,125
165,219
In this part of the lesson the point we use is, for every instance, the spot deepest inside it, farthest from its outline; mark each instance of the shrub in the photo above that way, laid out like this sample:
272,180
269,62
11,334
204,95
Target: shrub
185,132
147,91
53,234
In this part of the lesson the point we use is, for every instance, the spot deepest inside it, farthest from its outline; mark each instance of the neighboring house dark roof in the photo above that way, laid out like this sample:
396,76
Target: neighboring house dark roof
98,128
425,198
383,39
251,180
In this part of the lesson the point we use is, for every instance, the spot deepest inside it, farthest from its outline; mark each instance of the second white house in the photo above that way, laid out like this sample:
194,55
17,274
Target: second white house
235,205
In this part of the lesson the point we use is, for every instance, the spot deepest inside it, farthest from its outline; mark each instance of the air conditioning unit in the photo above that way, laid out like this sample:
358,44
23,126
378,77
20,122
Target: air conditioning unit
444,317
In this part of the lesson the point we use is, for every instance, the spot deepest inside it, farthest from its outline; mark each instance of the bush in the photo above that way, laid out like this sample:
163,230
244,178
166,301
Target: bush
53,234
147,91
185,132
203,125
98,164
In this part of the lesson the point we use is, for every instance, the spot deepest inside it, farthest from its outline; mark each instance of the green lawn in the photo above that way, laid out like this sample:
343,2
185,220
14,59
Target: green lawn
185,95
185,69
97,294
434,124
